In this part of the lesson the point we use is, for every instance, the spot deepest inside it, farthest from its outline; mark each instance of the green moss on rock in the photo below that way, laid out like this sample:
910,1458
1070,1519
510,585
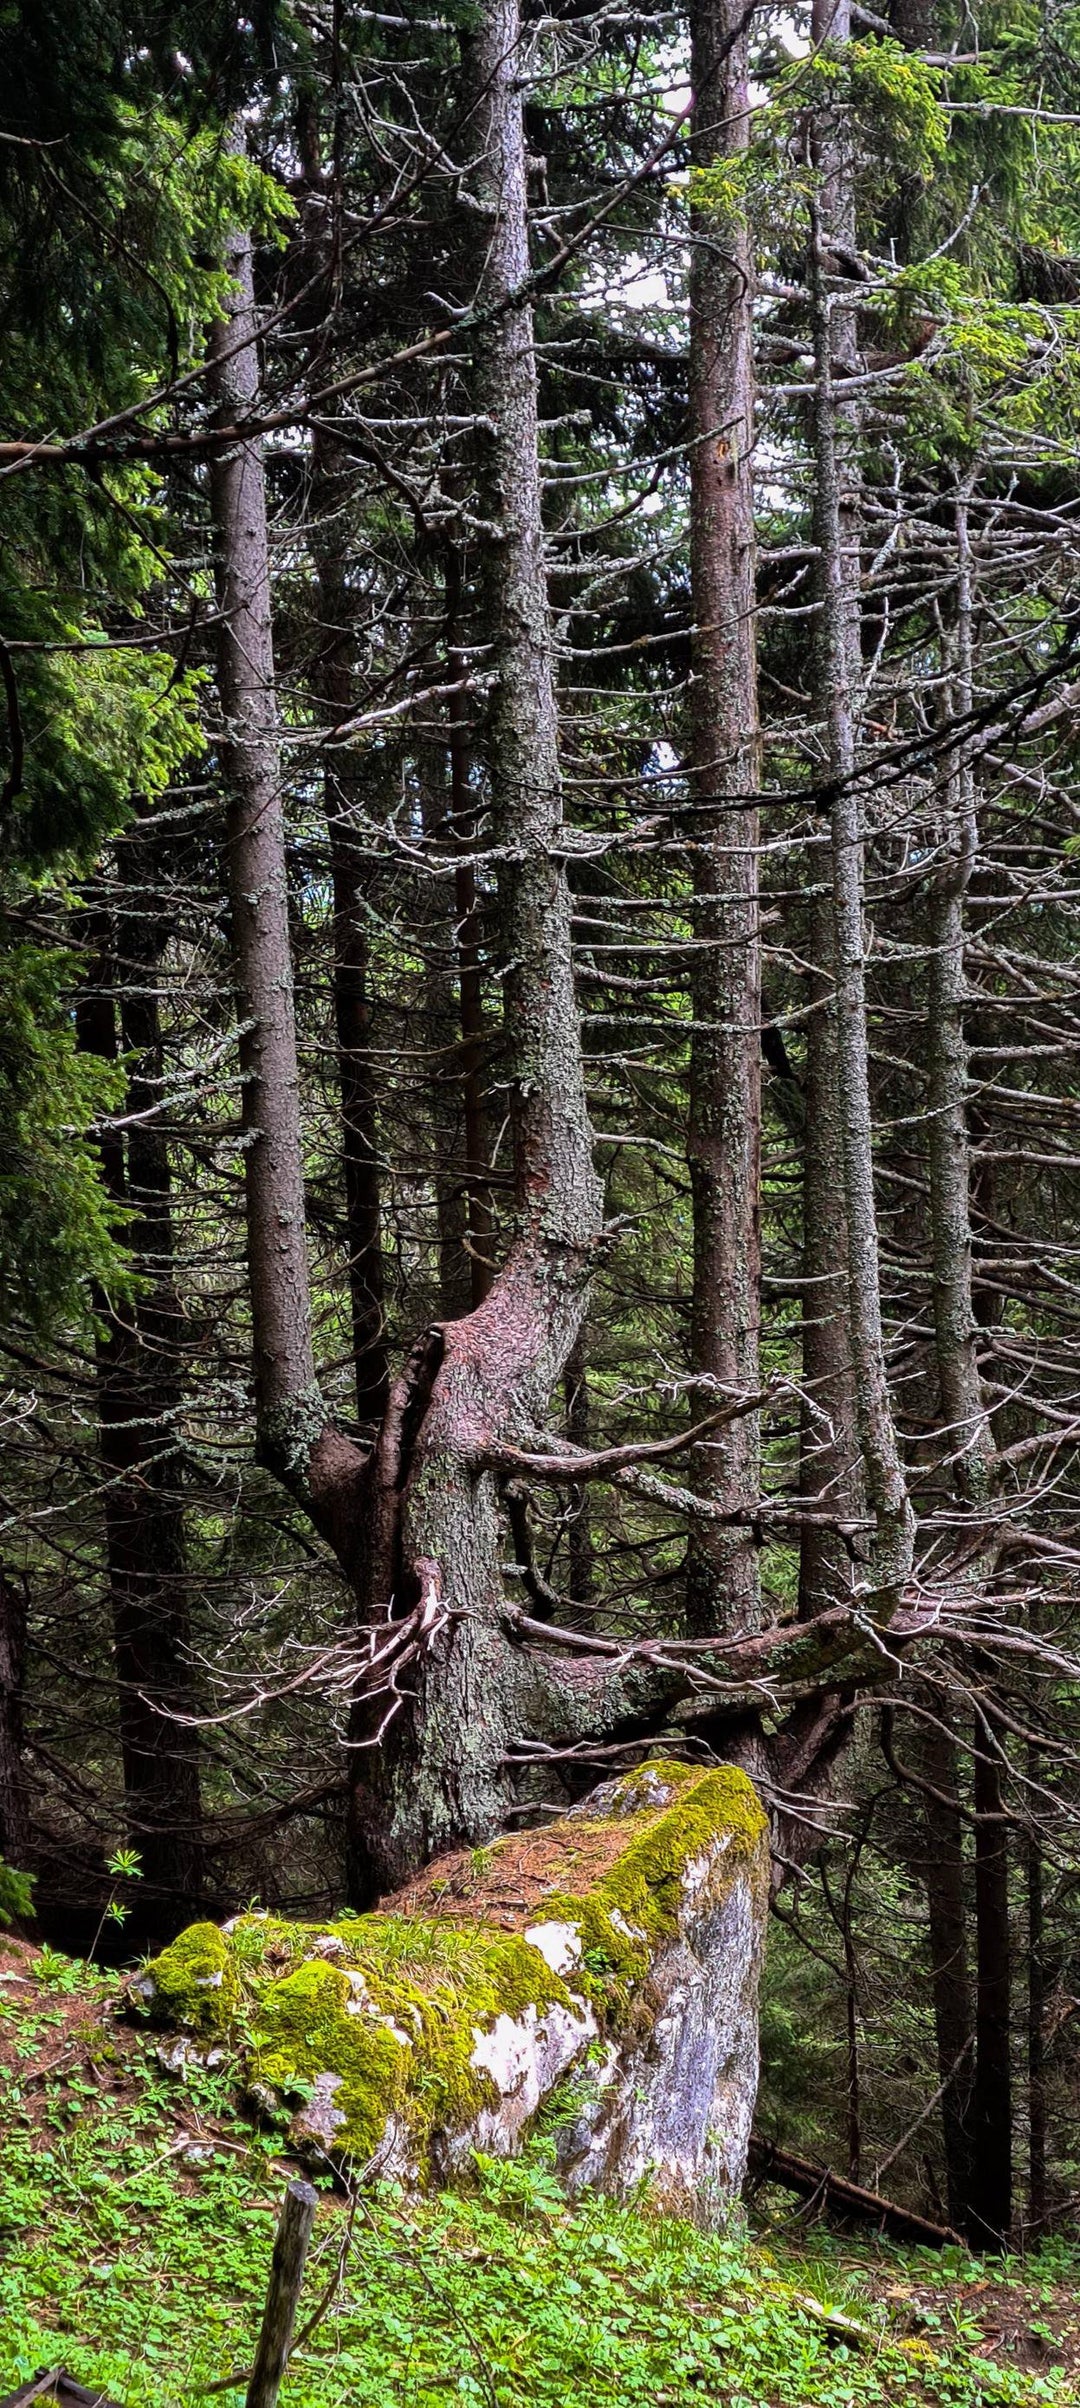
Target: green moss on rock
372,2023
389,2009
194,1983
394,2018
690,1848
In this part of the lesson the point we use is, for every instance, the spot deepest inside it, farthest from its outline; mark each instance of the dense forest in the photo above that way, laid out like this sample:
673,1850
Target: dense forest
539,912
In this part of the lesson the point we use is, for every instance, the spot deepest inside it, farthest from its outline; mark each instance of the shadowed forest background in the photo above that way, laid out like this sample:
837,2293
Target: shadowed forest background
539,1182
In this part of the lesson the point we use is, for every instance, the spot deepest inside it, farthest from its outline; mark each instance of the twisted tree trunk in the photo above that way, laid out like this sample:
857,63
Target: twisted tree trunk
440,1773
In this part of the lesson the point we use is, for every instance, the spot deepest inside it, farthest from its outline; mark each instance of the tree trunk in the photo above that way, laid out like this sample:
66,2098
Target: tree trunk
830,1480
14,1802
966,1427
943,1875
1038,2200
479,1214
973,2143
294,1436
440,1775
139,1392
990,2220
350,874
836,530
445,1138
724,1136
288,1405
580,1548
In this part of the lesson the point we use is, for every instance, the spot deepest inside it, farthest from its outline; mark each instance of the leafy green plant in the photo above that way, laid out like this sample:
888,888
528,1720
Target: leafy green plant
16,1896
125,1864
137,2211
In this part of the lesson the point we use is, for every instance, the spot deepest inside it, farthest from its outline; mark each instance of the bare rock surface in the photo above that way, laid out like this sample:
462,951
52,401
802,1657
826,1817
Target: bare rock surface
604,1970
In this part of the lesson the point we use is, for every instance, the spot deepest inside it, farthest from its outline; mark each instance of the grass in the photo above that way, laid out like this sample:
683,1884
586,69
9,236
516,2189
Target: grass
137,2215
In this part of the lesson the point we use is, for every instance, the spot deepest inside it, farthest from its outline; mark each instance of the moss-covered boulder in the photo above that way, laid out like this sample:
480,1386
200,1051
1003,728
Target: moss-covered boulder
620,1946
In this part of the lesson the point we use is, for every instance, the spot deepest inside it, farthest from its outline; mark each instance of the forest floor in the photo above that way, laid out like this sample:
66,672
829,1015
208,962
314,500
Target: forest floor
137,2215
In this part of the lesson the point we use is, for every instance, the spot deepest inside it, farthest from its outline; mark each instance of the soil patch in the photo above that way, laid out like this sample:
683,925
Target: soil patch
505,1884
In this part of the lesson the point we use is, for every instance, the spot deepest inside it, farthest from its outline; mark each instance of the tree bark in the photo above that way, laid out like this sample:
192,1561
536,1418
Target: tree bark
946,1897
830,1471
580,1548
970,2109
1038,2197
479,1214
14,1800
966,1427
350,878
990,2219
139,1393
294,1436
724,1135
440,1775
288,1404
836,530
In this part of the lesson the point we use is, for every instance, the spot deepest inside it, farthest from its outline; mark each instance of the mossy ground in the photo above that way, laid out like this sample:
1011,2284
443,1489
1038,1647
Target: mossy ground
137,2213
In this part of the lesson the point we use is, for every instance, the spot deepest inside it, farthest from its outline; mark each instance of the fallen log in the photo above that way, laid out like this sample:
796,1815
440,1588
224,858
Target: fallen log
835,2195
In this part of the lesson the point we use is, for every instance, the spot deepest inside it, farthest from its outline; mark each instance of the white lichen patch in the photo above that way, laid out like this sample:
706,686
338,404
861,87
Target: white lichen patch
630,1931
699,1873
559,1944
524,2056
319,2119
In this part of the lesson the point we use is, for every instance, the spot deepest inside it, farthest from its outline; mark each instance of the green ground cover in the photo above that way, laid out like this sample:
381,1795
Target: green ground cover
137,2213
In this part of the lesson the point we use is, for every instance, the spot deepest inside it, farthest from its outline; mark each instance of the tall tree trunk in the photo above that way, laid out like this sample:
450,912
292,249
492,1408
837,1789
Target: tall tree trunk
294,1435
968,1437
1038,2199
990,2219
440,1773
14,1801
350,874
444,1124
139,1391
830,1478
724,1136
836,530
970,2140
288,1404
946,1897
479,1213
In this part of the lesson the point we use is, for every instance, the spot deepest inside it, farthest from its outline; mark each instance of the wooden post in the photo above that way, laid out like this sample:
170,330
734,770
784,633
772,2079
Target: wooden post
286,2275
